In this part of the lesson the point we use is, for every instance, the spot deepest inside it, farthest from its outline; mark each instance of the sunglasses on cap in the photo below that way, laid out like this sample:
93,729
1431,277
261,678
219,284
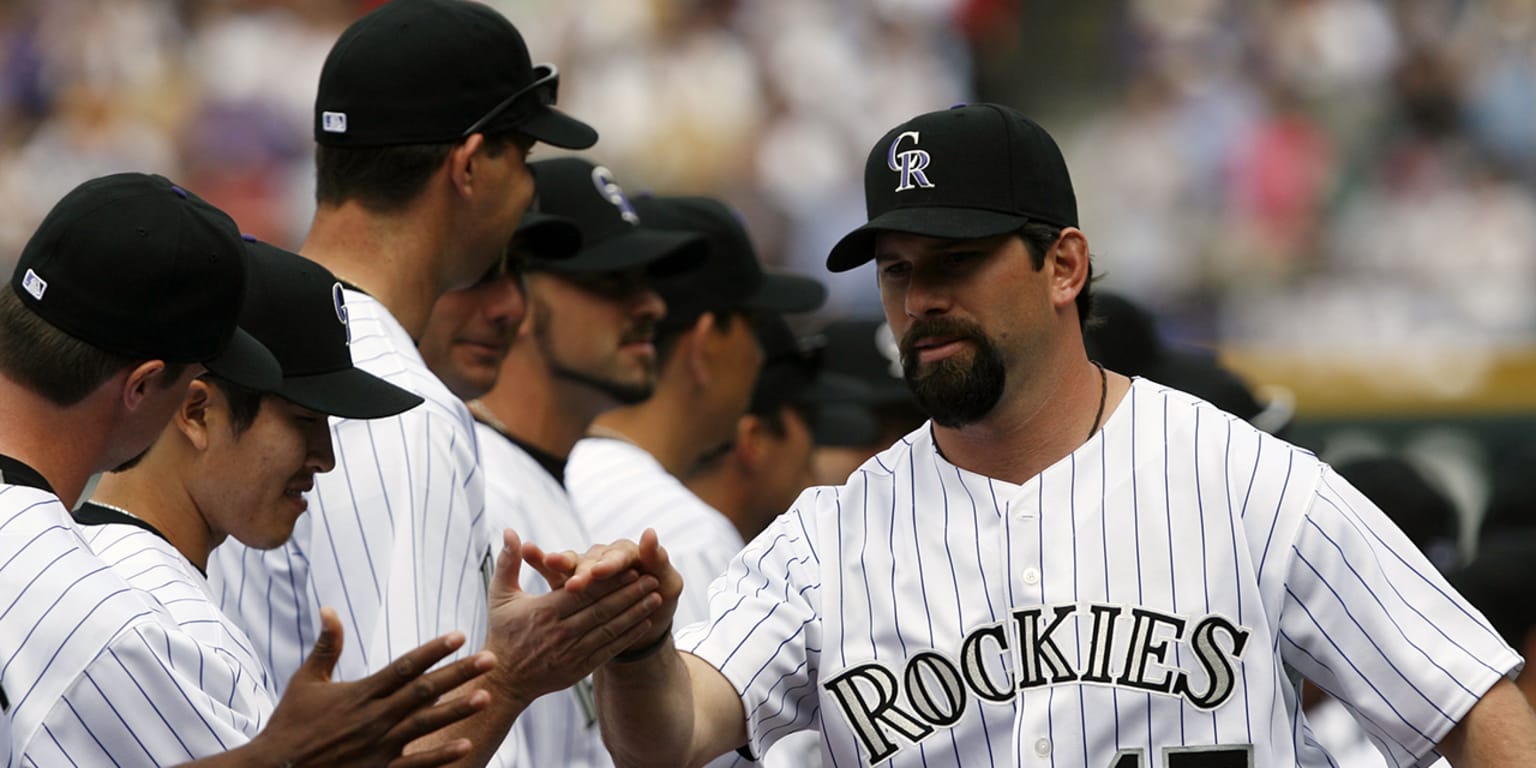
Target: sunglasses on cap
546,82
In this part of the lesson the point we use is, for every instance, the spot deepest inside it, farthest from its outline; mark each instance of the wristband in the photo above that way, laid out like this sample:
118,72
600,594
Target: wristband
636,654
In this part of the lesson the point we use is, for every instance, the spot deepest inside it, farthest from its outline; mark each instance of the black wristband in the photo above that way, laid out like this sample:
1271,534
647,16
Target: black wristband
636,654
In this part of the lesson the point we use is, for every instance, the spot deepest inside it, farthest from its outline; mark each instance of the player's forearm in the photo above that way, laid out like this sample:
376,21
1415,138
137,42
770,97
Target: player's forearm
1499,731
646,710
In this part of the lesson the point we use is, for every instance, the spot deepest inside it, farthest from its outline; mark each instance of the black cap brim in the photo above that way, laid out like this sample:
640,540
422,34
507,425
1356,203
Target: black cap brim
665,253
558,129
788,294
858,246
246,362
548,237
350,393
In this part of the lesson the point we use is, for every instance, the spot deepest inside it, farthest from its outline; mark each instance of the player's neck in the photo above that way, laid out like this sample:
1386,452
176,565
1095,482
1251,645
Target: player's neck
1032,428
656,428
153,492
393,258
539,410
720,488
65,445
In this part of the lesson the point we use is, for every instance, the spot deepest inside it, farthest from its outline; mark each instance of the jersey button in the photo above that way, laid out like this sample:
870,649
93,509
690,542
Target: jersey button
1043,747
1031,576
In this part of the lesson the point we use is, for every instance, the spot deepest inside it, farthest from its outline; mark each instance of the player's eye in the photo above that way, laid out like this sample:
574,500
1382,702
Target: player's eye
895,269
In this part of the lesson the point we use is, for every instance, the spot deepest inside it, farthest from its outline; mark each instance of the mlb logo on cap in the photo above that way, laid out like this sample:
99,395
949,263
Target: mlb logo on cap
34,285
333,122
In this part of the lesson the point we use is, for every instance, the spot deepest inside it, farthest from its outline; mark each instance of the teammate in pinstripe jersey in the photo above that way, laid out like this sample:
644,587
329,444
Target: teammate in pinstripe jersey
1065,566
628,475
234,461
583,348
425,114
100,671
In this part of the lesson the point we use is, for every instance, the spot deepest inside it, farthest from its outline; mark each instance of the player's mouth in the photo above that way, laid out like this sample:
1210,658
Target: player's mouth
485,349
933,348
294,493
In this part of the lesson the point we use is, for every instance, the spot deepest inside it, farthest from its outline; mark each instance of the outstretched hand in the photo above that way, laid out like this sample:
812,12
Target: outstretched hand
551,641
370,721
588,573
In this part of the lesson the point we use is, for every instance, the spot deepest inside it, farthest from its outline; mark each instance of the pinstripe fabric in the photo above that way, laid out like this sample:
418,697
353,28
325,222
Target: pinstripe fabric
97,672
149,563
559,728
620,490
1158,589
395,539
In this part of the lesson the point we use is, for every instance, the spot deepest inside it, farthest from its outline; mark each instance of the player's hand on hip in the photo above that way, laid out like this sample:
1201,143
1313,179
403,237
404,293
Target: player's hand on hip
369,722
549,642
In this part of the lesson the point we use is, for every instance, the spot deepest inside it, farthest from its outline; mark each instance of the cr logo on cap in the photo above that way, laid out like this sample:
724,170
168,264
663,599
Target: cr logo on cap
341,309
909,164
602,178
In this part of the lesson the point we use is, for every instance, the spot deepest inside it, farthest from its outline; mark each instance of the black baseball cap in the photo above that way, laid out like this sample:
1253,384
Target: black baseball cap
435,71
794,375
585,195
969,172
867,350
730,277
296,308
141,268
545,237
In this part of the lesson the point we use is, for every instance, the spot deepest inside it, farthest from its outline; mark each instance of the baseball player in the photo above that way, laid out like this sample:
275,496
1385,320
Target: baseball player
425,113
796,406
583,348
94,670
1065,566
234,461
627,475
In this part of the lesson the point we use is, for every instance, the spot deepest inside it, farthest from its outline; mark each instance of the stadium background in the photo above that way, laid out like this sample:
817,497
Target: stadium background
1338,195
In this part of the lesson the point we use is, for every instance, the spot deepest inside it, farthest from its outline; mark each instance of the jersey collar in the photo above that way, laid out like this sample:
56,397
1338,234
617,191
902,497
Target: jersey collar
14,471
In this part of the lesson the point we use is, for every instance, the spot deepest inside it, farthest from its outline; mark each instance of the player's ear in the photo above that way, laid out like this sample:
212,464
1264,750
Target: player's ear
191,418
141,381
698,349
750,431
1068,264
461,163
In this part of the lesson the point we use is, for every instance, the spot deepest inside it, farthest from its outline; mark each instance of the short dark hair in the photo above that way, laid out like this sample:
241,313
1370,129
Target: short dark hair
386,179
667,334
1038,238
48,361
244,402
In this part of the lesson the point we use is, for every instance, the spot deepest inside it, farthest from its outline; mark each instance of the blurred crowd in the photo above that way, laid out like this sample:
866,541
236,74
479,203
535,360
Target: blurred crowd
1354,173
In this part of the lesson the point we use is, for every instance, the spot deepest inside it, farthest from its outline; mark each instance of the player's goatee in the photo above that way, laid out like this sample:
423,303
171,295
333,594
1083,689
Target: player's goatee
959,389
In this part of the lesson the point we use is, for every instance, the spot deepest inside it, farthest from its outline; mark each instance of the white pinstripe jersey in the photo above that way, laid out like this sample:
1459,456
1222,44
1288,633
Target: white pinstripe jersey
620,490
95,671
395,539
149,563
1149,600
558,728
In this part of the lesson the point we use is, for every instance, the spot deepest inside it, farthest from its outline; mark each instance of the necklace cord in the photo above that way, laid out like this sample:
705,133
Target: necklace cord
1103,392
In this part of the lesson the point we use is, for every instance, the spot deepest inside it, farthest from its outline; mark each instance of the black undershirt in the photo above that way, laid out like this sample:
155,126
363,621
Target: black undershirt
551,463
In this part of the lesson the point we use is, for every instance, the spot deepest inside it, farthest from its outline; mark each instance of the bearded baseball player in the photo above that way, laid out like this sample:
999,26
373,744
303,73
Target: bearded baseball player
1065,566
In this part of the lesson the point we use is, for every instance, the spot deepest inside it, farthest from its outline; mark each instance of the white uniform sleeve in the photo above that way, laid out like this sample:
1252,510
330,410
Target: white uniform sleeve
1372,622
764,626
151,698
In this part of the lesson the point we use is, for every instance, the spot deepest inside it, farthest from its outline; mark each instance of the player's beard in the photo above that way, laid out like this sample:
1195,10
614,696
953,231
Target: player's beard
622,392
958,390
